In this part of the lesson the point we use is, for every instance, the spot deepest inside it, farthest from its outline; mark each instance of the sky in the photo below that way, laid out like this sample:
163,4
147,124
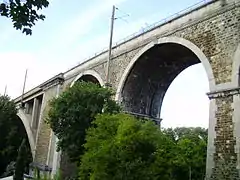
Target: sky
76,30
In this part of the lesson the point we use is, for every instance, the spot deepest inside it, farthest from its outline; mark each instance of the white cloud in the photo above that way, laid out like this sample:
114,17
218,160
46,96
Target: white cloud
13,69
12,72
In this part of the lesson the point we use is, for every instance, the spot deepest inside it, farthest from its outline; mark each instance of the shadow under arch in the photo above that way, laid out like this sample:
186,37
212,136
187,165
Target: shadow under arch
149,74
89,76
166,40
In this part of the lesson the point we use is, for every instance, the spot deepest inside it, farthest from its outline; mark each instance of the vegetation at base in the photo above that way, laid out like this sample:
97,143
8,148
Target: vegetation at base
71,114
191,149
21,162
12,132
23,13
46,176
123,147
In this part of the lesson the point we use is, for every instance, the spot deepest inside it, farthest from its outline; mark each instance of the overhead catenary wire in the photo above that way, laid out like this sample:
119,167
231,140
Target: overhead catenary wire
113,18
121,17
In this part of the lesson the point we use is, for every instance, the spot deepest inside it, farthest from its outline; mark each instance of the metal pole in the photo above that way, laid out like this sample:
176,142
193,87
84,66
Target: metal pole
5,90
24,87
110,46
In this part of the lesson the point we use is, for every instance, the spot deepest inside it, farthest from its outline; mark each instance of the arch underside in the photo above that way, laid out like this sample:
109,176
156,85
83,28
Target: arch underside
89,78
28,130
152,74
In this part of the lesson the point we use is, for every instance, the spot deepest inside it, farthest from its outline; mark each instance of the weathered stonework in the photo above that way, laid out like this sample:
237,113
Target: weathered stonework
142,68
225,156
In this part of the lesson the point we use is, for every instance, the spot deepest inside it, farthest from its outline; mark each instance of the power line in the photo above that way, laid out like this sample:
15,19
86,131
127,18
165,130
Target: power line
122,11
121,17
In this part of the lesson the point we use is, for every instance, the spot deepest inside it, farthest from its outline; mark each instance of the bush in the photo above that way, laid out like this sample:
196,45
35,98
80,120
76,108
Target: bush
122,147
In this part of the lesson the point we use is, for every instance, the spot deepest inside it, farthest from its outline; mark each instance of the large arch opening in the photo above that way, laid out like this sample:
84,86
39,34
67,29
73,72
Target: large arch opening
149,75
12,137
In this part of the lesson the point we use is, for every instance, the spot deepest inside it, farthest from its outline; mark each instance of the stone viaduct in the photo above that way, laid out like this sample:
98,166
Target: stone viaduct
141,70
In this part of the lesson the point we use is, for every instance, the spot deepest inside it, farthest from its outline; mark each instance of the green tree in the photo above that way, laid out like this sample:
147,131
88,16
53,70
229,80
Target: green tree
73,111
12,132
189,132
21,162
122,147
191,148
23,13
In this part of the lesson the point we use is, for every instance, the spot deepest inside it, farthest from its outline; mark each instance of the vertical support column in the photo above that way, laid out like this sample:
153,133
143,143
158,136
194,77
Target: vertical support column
226,153
44,130
26,110
35,114
211,137
56,155
236,121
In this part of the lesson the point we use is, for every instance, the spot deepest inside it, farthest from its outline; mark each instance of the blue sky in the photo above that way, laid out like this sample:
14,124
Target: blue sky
76,30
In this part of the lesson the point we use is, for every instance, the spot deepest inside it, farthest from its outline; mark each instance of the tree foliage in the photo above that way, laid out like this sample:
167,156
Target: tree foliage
73,111
191,148
23,13
21,162
122,147
12,132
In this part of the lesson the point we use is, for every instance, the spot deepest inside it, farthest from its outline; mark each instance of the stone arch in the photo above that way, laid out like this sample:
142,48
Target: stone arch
177,40
91,73
236,68
26,124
